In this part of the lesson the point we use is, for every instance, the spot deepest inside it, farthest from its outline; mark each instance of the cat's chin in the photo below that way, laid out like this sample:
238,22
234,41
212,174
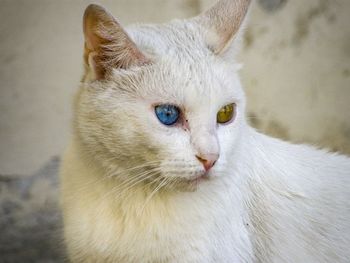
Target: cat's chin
193,183
198,179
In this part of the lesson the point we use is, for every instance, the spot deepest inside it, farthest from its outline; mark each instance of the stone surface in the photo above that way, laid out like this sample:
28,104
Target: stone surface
30,220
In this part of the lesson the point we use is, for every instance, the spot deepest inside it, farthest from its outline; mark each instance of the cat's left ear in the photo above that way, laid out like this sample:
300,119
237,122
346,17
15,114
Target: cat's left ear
222,23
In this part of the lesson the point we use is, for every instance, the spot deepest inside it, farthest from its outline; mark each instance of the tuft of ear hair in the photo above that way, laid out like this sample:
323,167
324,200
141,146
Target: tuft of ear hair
107,45
222,22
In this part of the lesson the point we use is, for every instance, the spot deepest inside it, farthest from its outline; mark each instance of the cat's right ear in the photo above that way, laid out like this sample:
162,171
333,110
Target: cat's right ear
222,23
107,45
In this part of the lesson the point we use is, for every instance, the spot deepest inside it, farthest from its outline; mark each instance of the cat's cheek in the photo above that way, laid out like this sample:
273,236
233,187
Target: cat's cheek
228,136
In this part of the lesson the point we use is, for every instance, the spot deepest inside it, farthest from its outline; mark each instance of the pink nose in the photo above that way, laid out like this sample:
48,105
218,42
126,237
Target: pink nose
208,160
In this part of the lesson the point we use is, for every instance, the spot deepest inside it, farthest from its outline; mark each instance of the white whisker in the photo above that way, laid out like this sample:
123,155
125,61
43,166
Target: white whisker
161,184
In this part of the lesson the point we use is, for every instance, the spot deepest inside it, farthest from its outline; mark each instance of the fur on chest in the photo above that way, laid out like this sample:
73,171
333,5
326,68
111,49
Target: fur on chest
190,228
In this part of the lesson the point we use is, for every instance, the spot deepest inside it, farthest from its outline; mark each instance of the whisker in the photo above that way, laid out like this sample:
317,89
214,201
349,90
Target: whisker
125,186
162,183
136,176
135,183
110,175
144,165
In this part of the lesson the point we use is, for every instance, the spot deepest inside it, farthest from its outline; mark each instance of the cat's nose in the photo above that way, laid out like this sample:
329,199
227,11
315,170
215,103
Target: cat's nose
208,160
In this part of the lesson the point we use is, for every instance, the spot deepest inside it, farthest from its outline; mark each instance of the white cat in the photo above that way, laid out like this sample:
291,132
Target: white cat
163,166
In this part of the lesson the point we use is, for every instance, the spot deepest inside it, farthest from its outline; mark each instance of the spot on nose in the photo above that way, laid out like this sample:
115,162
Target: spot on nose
208,160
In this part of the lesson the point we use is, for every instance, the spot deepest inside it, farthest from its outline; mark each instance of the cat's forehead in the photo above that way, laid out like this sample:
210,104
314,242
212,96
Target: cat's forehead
185,70
178,40
192,83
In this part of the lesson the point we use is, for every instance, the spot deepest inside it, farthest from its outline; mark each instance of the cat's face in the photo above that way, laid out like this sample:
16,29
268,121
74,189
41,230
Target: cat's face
119,122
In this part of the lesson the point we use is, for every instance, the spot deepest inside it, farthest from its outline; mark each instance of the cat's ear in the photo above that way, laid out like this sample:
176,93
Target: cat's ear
107,45
222,23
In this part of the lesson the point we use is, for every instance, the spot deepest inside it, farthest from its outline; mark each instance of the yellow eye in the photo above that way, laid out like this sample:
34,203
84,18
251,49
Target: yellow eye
225,114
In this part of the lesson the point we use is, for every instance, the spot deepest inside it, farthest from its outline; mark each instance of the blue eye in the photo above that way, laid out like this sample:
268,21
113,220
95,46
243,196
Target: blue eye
167,114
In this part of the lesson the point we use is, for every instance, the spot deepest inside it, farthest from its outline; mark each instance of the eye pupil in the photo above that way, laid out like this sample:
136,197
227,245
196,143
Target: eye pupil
167,114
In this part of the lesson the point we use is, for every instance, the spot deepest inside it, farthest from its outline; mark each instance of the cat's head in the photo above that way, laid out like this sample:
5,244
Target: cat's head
162,103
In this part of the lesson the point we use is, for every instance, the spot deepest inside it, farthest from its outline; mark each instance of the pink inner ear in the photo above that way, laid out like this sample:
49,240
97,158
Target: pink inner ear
92,41
110,44
224,20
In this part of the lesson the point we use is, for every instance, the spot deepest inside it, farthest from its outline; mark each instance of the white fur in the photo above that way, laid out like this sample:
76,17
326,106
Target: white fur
265,201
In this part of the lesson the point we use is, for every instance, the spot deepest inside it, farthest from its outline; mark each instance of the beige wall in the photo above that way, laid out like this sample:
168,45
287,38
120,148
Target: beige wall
296,73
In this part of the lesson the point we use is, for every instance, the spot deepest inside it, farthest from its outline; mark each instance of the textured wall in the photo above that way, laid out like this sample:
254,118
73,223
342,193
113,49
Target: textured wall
297,71
296,74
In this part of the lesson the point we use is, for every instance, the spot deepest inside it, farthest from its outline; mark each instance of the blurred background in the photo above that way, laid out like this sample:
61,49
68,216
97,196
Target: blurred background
296,57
